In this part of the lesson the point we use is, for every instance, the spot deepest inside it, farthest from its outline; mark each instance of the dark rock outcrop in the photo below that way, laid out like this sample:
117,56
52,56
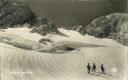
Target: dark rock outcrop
15,13
44,26
114,26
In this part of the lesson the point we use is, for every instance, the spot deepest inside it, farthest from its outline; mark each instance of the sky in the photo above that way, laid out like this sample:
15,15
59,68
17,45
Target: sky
70,12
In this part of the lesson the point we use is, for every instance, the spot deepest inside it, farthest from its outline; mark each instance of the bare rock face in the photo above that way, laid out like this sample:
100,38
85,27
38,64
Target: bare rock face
114,26
15,13
44,26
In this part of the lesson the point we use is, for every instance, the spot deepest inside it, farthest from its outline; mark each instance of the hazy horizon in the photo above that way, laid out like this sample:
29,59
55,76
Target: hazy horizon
76,12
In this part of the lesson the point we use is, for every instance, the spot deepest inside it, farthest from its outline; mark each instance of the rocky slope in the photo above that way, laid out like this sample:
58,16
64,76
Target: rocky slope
43,26
114,26
14,13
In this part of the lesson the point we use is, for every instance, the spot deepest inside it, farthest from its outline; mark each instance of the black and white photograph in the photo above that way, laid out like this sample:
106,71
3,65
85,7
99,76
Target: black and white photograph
63,39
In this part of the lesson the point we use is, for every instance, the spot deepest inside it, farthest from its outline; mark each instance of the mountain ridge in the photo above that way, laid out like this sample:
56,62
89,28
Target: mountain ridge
113,26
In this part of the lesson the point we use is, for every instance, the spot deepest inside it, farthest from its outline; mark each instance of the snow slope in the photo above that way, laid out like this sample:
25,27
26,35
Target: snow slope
20,64
30,65
77,37
73,36
25,33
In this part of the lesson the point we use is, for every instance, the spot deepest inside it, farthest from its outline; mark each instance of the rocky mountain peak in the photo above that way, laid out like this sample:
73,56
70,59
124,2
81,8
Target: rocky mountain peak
114,26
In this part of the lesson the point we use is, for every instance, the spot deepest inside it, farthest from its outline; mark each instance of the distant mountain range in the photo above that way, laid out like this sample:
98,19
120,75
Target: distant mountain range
113,26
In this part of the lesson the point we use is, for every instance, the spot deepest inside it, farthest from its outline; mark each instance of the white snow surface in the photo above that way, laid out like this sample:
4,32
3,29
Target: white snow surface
72,36
77,37
25,33
31,65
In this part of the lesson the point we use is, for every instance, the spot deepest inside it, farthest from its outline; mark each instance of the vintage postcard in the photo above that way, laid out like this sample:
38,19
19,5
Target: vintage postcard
63,39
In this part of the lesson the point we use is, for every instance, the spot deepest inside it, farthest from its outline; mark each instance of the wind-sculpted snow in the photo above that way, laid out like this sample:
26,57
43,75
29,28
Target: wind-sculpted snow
24,32
17,38
18,41
22,64
19,64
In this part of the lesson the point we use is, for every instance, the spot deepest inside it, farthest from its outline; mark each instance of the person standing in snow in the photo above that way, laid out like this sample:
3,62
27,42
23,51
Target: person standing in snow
102,69
94,67
88,68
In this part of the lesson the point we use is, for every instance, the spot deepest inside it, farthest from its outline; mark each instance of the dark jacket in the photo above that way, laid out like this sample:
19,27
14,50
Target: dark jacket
89,67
